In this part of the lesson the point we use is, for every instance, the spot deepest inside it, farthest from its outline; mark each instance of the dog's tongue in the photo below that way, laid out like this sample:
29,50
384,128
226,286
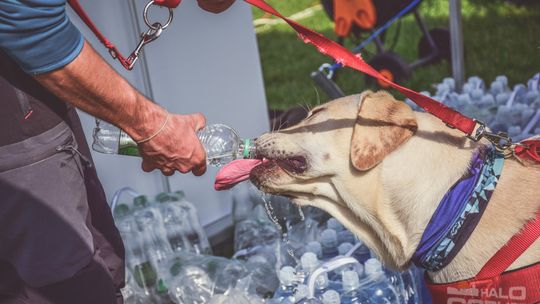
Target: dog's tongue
235,172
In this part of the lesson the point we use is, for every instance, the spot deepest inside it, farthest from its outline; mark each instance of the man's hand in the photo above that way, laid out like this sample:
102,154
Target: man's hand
215,6
91,85
176,147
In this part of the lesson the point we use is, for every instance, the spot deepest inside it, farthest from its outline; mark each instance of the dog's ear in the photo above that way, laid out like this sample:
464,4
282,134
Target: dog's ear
382,124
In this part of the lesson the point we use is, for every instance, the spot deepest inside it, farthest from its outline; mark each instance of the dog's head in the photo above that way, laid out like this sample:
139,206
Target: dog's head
332,154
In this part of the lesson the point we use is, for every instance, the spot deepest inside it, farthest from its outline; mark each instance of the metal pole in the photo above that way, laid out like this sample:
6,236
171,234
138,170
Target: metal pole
145,72
456,43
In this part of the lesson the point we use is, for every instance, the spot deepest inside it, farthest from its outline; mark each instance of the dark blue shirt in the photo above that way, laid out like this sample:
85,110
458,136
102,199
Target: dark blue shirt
38,34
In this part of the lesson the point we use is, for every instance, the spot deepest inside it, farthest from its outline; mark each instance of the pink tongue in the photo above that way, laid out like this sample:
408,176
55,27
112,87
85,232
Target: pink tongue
235,172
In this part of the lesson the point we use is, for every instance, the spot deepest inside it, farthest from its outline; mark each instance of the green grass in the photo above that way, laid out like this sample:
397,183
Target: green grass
499,38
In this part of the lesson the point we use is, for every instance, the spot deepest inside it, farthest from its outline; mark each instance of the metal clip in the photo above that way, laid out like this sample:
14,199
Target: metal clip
500,140
152,34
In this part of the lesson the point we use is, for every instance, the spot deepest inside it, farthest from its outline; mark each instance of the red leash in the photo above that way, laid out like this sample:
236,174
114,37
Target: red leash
474,129
151,35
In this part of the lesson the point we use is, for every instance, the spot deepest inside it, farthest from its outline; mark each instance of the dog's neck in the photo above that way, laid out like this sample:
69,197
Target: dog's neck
415,180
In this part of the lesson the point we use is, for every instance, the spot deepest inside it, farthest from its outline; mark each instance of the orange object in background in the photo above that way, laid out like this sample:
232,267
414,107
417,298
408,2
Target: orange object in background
349,12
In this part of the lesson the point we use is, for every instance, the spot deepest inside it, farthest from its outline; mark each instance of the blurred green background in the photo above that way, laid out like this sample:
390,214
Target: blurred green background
499,38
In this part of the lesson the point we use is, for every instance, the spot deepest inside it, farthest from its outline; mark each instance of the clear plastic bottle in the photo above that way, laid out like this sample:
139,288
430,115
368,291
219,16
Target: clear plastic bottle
152,231
351,293
314,247
174,220
196,238
144,274
308,263
288,282
331,297
329,244
380,289
222,144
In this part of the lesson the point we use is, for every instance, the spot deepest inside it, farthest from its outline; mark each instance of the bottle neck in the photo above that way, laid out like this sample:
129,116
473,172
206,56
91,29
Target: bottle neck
246,149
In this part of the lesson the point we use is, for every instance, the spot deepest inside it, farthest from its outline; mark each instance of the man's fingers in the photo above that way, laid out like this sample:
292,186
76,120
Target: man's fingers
167,172
198,120
147,166
199,170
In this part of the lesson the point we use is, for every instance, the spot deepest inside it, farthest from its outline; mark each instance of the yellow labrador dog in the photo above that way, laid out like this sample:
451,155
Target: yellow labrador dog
381,169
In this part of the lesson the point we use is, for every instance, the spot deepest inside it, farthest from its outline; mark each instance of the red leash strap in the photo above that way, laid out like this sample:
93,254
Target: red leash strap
343,56
152,34
528,149
510,252
168,3
115,53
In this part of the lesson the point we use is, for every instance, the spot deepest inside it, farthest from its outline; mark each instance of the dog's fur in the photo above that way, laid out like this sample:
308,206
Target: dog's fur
381,169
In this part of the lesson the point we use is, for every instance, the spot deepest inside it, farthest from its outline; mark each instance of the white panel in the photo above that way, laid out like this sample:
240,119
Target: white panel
202,63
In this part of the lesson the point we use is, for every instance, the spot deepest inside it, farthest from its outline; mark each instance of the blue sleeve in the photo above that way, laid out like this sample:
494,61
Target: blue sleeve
38,34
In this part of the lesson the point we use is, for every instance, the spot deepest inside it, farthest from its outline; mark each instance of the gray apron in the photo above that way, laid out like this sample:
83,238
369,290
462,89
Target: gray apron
58,242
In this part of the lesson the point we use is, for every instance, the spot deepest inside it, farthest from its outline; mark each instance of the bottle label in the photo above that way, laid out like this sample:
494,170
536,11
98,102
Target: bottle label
127,146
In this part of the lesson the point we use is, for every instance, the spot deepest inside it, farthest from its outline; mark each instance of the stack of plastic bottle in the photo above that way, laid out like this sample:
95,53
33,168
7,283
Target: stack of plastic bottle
515,111
168,257
308,241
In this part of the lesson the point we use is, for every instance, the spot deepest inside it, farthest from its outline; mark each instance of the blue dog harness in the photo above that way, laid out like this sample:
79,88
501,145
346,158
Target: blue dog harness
459,211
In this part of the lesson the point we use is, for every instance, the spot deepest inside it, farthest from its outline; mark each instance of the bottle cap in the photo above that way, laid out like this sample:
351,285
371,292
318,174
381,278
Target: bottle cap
301,292
179,195
332,223
161,288
121,210
329,236
343,248
314,247
321,282
163,197
140,201
330,297
372,266
309,261
502,79
287,276
351,281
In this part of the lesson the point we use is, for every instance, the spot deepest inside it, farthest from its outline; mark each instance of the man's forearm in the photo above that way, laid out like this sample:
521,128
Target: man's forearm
91,85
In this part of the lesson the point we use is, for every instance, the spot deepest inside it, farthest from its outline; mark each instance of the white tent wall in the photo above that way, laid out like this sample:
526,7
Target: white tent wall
203,62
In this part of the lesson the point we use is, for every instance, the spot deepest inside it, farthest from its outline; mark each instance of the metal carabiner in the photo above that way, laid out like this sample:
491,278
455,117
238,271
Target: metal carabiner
152,34
152,25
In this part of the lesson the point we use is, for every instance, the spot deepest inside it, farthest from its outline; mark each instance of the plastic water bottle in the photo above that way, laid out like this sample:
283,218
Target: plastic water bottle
344,235
174,219
329,244
152,231
380,290
308,263
144,274
288,281
314,247
197,240
161,294
351,293
300,295
264,280
222,144
330,297
343,248
362,253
